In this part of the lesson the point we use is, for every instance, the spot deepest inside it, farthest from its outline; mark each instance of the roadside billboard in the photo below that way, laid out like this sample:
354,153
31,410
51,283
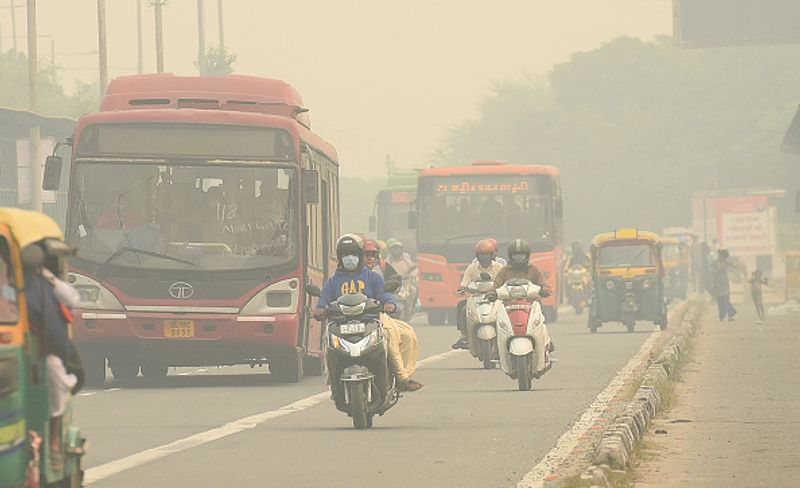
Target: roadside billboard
741,224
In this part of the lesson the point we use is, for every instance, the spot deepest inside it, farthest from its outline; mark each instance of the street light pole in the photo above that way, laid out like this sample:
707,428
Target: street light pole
221,24
14,25
102,48
159,36
33,104
140,65
201,39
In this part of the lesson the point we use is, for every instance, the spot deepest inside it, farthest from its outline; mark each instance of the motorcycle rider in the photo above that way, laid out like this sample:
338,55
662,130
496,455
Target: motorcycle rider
353,276
485,262
374,262
519,266
578,257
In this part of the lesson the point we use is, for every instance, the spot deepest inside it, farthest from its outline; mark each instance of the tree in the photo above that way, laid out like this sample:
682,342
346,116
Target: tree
637,127
218,62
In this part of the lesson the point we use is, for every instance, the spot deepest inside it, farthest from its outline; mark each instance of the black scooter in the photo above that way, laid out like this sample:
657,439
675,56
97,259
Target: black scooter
361,381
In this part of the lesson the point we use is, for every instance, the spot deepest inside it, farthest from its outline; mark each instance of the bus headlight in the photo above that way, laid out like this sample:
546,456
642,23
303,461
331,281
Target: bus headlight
280,297
647,284
93,295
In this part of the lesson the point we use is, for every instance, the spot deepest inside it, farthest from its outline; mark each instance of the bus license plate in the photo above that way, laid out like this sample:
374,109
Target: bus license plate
178,329
353,328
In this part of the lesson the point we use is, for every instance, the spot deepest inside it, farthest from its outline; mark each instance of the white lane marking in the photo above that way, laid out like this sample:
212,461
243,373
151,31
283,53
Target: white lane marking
535,478
111,389
123,464
87,393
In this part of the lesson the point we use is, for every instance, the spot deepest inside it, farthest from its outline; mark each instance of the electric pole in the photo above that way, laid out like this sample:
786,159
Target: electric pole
159,35
221,24
102,48
33,104
201,39
140,65
14,26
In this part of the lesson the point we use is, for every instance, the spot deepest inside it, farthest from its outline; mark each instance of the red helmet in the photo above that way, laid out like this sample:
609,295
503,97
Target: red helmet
485,246
494,243
370,245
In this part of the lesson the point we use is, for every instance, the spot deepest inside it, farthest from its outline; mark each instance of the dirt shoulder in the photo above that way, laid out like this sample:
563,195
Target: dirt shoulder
735,420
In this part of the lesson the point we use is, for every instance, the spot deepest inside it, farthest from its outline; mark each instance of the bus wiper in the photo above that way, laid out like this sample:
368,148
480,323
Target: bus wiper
119,252
465,236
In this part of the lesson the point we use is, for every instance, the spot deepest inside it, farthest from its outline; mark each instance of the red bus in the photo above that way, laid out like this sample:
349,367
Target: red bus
457,206
200,209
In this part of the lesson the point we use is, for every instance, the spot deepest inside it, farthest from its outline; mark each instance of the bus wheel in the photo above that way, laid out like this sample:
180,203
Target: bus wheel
94,367
436,317
312,366
550,314
154,370
287,369
123,369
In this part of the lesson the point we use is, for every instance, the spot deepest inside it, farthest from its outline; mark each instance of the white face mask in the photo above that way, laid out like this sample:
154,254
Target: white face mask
350,263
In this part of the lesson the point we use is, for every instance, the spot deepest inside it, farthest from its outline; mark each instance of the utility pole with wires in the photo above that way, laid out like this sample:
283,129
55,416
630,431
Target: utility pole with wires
201,39
102,48
221,24
140,63
157,4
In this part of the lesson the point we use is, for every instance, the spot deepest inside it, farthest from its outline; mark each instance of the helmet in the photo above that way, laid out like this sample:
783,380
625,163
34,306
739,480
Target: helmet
370,245
494,243
350,244
519,247
394,243
485,246
382,245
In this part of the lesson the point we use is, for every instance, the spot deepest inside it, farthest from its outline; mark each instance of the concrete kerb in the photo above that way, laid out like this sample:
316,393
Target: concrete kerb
626,421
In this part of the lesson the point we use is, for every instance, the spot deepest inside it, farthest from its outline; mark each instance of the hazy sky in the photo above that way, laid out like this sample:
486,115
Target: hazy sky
380,77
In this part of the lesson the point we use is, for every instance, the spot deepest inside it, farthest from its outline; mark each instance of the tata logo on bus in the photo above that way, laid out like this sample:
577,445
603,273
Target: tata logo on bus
468,187
180,290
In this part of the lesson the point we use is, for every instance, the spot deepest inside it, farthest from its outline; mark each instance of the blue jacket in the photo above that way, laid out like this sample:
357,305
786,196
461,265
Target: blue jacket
362,280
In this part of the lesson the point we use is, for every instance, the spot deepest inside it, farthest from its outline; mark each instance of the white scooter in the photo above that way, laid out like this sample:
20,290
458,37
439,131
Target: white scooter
524,344
482,321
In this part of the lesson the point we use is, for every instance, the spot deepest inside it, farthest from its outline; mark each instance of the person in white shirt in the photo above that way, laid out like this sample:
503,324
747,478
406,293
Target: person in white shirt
485,261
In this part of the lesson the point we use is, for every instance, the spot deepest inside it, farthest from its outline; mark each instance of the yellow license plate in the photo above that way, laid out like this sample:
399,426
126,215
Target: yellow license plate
178,329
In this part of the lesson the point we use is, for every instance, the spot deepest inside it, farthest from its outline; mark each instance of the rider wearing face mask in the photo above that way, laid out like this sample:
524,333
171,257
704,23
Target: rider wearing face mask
519,266
353,276
485,262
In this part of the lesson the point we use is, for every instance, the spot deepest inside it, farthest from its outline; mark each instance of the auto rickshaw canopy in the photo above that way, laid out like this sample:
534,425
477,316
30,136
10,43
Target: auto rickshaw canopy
29,227
625,235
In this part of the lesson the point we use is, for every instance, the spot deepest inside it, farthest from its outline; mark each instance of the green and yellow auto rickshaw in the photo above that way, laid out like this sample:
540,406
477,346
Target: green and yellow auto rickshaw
30,455
627,279
675,255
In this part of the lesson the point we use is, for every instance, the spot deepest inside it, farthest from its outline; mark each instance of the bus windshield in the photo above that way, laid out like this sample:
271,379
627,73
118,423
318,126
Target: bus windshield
393,208
468,207
206,217
626,256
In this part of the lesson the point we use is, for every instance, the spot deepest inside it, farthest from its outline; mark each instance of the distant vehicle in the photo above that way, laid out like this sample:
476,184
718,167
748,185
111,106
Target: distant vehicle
482,320
627,279
457,206
392,204
200,209
675,253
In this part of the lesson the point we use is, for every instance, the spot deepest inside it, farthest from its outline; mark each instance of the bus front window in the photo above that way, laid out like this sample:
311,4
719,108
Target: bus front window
203,216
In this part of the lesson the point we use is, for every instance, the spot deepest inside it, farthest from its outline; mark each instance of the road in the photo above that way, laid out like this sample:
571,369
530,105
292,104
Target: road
468,427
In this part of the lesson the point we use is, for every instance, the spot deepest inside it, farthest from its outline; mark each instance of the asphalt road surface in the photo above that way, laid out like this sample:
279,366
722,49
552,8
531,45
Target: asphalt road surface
231,426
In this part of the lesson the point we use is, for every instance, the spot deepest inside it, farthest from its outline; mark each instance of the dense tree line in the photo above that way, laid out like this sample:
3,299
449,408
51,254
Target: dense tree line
637,127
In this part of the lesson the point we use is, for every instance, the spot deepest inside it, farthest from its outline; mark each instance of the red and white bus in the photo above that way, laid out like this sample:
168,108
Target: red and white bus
200,209
457,206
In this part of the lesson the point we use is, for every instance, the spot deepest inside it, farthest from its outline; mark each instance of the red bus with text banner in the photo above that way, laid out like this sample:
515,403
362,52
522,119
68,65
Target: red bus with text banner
457,206
200,209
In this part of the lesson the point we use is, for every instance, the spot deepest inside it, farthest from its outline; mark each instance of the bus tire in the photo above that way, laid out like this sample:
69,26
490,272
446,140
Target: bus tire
550,314
287,369
313,366
94,367
154,370
123,369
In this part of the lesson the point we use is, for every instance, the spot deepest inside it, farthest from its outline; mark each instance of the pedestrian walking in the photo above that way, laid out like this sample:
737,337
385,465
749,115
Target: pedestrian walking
757,283
721,284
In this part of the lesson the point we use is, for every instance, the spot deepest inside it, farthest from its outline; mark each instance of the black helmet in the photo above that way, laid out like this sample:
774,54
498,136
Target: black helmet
517,247
350,244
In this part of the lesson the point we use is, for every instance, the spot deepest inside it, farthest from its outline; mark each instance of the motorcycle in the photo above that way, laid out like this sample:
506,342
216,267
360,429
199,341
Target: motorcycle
524,345
482,320
578,282
361,381
407,295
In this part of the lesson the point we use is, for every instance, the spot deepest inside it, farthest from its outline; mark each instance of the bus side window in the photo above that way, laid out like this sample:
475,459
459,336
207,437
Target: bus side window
9,313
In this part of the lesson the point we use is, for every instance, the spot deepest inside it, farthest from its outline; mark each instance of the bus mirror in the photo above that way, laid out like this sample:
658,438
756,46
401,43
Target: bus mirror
310,186
313,290
52,173
373,223
412,219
